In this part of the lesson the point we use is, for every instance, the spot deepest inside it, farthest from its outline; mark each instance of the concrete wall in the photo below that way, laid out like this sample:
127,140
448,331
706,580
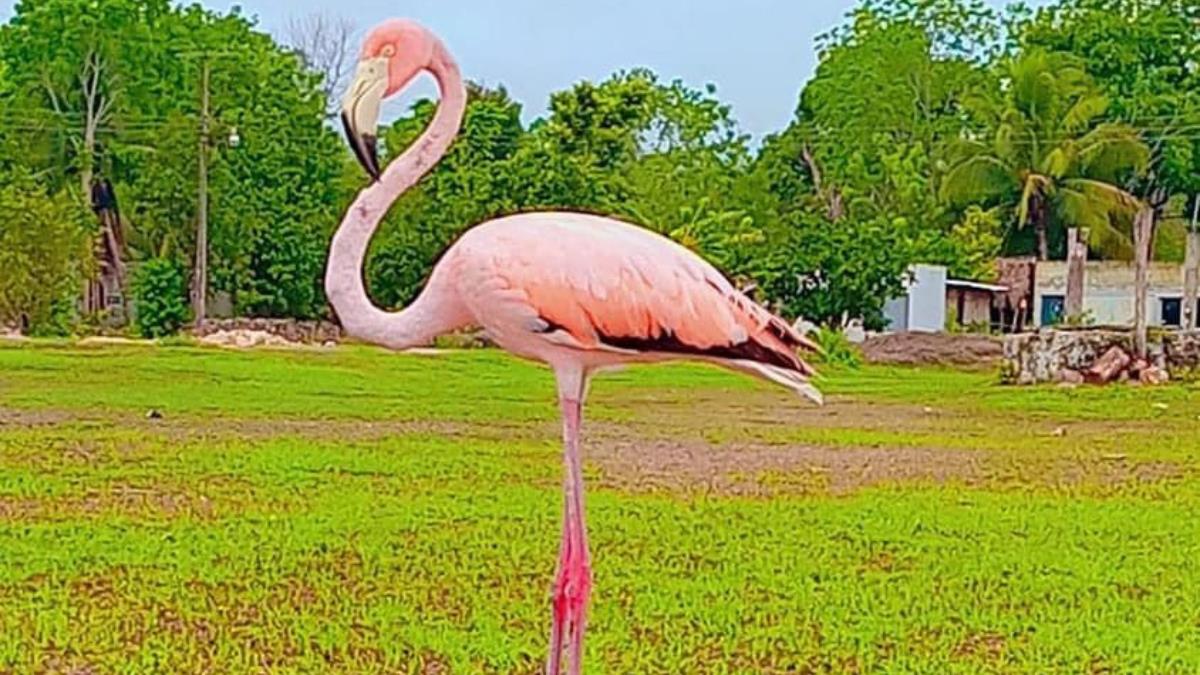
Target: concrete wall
1108,289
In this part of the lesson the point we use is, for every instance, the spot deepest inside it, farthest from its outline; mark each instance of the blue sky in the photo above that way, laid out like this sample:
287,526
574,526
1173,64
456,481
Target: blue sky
758,52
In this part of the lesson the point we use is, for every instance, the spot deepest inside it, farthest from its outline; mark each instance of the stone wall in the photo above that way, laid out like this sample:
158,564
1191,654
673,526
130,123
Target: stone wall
304,332
1031,358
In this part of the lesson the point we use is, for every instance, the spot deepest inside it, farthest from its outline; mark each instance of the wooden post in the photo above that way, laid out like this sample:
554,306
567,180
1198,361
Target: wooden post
1076,261
1191,271
1143,227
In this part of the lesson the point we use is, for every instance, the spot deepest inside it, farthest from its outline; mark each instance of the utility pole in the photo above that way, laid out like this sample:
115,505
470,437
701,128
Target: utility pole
200,276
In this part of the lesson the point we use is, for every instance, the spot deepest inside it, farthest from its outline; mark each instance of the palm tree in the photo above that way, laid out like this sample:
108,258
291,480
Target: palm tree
1047,157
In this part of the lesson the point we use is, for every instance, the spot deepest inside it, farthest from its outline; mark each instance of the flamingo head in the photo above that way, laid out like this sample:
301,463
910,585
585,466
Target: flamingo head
392,55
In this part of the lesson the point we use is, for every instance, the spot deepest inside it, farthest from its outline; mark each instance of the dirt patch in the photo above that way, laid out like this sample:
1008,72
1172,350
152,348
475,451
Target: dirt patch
24,419
665,465
670,414
676,466
987,646
933,349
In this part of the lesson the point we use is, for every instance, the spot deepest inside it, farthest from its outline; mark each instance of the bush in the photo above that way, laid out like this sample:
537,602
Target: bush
836,349
160,298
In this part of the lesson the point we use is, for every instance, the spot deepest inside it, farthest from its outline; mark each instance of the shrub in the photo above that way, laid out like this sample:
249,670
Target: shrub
160,298
836,349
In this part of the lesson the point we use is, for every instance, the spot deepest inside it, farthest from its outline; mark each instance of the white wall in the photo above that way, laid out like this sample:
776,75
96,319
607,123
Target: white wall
927,299
1108,289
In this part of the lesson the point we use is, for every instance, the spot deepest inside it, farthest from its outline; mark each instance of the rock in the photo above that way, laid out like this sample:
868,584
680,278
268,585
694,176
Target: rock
1153,375
1070,377
1037,357
1109,366
1161,406
1059,432
153,414
277,331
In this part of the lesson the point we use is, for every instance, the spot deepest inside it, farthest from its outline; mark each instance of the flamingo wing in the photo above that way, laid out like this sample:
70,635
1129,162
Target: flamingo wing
593,283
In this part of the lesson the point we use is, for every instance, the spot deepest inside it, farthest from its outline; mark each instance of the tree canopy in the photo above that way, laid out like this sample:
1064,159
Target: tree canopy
935,131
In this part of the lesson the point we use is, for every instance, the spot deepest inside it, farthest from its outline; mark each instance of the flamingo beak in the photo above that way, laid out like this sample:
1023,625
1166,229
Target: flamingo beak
360,112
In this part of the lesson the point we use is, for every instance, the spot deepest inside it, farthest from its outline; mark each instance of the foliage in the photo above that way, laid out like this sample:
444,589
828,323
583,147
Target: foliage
836,349
45,253
159,290
1144,55
273,200
825,271
1045,156
938,131
653,153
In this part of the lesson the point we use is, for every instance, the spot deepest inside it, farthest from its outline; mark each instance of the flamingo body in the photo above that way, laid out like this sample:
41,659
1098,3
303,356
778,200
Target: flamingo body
578,292
585,291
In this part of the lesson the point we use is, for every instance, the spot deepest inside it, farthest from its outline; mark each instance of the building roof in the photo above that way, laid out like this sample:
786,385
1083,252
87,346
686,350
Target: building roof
976,285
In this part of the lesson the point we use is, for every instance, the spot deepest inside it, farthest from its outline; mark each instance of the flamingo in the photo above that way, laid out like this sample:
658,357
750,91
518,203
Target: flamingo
578,292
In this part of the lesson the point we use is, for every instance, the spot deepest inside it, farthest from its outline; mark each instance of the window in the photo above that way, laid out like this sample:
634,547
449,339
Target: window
1172,311
1052,309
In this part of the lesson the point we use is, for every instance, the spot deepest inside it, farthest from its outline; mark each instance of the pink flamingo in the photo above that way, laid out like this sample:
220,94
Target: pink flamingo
577,292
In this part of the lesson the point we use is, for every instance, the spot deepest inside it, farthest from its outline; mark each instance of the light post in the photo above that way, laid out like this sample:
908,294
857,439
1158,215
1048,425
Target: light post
200,273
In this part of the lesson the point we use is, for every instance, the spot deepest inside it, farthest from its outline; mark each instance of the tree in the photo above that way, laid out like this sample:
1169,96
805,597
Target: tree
848,193
1043,153
1143,54
274,199
323,42
44,250
955,29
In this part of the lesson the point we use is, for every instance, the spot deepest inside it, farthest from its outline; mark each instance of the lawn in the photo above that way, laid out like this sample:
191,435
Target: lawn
356,511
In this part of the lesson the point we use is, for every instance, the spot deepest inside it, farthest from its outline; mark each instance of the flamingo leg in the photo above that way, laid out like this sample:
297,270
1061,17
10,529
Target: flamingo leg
573,581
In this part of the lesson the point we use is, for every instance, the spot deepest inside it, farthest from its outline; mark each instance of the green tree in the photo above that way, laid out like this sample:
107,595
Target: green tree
274,199
1044,154
161,296
1143,54
848,193
44,250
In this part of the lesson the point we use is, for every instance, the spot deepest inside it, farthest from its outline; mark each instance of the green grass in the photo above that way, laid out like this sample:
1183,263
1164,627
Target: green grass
358,511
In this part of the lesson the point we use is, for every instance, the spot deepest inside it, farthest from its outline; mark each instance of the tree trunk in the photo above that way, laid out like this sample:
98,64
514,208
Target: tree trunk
1143,227
1191,280
1076,260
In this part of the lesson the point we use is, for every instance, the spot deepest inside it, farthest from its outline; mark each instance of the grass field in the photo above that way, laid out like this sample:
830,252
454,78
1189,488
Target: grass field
357,511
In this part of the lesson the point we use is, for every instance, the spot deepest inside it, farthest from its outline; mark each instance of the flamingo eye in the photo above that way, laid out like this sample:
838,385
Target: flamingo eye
388,51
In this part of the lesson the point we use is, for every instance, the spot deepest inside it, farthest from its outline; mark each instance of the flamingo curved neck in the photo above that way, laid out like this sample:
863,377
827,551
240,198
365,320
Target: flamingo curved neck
417,324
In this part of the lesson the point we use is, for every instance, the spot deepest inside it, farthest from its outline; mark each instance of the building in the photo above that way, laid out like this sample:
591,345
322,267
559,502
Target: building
1108,293
931,298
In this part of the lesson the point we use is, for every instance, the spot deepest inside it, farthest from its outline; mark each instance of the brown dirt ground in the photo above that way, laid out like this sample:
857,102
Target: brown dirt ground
752,470
666,450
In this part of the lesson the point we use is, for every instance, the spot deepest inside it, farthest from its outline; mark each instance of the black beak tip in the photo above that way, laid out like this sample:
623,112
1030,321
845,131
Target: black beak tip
364,146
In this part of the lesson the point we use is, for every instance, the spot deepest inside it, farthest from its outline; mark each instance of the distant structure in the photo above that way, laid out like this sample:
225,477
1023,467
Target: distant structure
932,301
1033,294
106,290
1108,293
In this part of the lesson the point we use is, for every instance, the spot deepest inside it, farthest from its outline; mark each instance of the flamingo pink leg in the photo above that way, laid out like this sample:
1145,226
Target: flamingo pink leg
573,580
